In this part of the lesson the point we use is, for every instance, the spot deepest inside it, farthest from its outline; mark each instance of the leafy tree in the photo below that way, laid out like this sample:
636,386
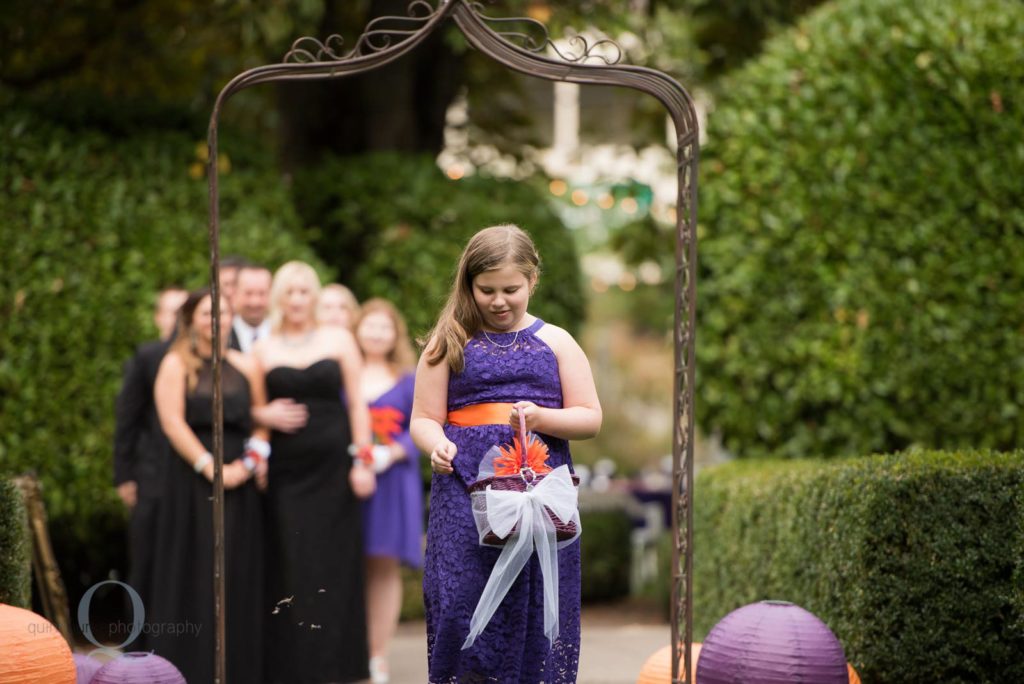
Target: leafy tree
150,56
175,51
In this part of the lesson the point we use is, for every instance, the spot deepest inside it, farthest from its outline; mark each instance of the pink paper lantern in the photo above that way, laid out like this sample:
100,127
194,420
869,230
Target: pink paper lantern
771,642
87,667
138,668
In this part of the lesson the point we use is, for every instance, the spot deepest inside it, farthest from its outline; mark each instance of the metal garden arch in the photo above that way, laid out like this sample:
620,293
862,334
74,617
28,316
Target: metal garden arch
386,39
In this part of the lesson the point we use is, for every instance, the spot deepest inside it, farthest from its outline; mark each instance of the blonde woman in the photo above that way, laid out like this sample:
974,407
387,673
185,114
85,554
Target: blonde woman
315,581
393,516
183,563
337,307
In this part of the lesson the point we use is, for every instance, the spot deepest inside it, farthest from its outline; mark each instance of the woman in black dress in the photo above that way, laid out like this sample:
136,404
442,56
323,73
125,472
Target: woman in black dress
180,614
316,627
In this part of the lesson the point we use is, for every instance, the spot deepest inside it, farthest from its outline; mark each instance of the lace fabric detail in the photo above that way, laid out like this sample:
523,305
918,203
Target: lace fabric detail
525,371
513,648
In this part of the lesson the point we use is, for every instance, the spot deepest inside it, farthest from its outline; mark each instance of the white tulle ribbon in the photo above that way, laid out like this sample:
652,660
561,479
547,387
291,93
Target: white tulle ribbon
534,530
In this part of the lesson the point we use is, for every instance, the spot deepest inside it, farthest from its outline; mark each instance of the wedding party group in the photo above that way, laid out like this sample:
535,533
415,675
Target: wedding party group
326,412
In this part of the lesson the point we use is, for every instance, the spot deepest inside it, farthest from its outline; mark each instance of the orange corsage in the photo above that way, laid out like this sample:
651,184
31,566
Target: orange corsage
510,461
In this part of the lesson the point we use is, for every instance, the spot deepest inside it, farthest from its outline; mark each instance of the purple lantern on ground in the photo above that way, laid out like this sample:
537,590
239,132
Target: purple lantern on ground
138,668
86,667
771,642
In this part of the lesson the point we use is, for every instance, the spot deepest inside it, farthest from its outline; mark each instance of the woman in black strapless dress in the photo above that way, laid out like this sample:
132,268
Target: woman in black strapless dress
316,629
180,612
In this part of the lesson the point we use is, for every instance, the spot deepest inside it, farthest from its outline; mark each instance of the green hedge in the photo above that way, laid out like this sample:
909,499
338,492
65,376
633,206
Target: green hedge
605,551
92,225
913,560
862,234
394,225
15,548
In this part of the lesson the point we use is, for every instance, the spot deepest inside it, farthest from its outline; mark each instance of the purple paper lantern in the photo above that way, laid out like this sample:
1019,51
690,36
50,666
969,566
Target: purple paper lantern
86,667
138,668
771,642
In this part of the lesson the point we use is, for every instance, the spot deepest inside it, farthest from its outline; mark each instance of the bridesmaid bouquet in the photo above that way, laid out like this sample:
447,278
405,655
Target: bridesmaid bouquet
521,504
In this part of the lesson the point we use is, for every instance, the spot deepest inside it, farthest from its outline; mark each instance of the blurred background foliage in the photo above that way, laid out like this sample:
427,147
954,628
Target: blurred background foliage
148,54
394,226
93,226
862,260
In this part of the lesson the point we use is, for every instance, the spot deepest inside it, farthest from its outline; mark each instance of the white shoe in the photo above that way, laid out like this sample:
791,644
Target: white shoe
379,670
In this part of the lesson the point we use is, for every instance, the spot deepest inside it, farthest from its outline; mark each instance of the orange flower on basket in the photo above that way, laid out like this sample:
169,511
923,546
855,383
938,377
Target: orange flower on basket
510,460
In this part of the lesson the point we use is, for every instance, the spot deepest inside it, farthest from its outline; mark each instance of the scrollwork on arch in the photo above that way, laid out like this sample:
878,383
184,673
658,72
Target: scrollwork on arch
535,38
380,34
389,31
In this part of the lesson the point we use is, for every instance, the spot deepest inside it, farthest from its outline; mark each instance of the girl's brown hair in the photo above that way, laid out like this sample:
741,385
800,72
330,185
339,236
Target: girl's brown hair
489,249
184,344
401,357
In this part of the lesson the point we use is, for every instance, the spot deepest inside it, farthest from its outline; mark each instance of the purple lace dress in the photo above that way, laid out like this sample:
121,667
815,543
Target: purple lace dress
513,648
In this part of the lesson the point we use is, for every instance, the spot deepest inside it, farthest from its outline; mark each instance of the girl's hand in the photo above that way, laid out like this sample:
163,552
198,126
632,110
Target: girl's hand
362,480
529,411
442,456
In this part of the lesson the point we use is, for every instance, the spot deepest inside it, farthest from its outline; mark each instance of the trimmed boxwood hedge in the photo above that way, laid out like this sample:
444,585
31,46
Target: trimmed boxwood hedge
15,547
862,235
92,225
914,560
605,552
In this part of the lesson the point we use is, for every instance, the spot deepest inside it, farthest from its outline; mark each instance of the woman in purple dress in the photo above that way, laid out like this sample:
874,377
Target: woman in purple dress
487,363
393,516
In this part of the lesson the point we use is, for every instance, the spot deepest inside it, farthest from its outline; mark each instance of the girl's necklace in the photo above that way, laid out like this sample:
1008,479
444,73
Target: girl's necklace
501,346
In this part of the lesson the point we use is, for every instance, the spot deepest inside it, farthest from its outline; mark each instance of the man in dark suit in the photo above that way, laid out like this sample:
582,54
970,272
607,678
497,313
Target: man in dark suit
251,304
229,267
139,443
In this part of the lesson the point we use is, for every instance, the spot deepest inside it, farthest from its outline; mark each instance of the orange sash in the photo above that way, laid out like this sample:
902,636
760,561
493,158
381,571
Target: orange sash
480,414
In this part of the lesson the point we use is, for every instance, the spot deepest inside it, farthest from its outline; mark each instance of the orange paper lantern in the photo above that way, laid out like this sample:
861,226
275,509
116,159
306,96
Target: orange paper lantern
658,668
854,677
34,652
